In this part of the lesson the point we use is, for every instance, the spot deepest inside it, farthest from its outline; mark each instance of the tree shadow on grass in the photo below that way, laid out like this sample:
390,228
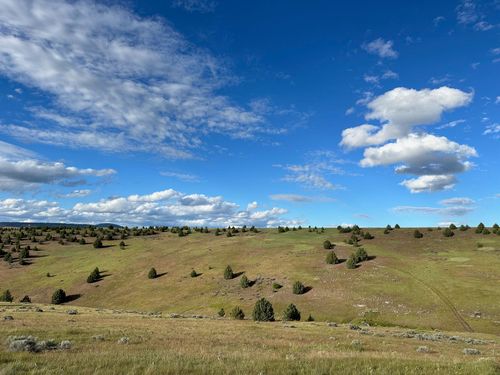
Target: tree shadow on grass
34,256
237,274
371,257
72,297
307,289
160,274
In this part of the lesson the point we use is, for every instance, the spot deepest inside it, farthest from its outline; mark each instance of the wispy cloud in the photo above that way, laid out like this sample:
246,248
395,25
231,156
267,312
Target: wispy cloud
118,82
380,47
186,177
297,198
452,207
202,6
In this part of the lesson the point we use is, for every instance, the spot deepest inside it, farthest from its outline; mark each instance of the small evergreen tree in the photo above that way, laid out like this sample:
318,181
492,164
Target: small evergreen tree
310,318
228,273
263,311
298,288
221,313
6,296
94,276
122,245
82,241
291,313
244,282
8,257
448,232
25,299
397,226
452,226
351,261
193,273
97,243
25,253
331,258
152,274
480,228
58,297
368,236
277,286
417,234
237,313
327,245
361,255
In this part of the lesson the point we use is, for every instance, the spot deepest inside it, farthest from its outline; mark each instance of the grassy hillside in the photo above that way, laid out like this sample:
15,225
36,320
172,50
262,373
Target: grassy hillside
434,282
160,345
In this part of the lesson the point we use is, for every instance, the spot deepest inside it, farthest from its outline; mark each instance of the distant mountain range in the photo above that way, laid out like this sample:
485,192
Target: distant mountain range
19,224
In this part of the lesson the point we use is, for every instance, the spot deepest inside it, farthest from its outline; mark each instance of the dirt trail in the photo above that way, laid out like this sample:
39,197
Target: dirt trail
441,296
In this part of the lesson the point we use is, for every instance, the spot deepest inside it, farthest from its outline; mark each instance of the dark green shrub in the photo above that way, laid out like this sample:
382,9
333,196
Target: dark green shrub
94,276
327,245
448,233
244,282
122,245
351,261
397,226
331,258
263,311
6,296
152,274
291,313
480,228
387,231
452,226
361,255
8,258
25,299
417,234
368,236
97,243
82,241
25,253
58,297
298,288
310,318
221,313
237,313
228,273
193,273
486,231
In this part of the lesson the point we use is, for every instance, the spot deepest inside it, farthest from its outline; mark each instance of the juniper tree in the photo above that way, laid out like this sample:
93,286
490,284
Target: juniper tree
97,243
58,297
327,245
152,274
291,313
480,228
417,234
94,276
244,282
298,288
228,273
263,311
331,258
351,261
25,299
448,232
6,296
193,273
361,255
237,313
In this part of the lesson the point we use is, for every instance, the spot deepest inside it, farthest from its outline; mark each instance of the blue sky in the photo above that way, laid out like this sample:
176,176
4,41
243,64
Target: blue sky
206,112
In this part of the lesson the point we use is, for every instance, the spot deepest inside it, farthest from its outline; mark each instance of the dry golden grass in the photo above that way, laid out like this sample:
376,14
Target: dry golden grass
163,345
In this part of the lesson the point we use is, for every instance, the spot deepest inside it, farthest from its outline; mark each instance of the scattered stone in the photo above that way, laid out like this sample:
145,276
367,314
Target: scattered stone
65,345
38,309
354,327
32,345
174,315
332,324
123,340
471,351
423,349
98,338
72,312
8,317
